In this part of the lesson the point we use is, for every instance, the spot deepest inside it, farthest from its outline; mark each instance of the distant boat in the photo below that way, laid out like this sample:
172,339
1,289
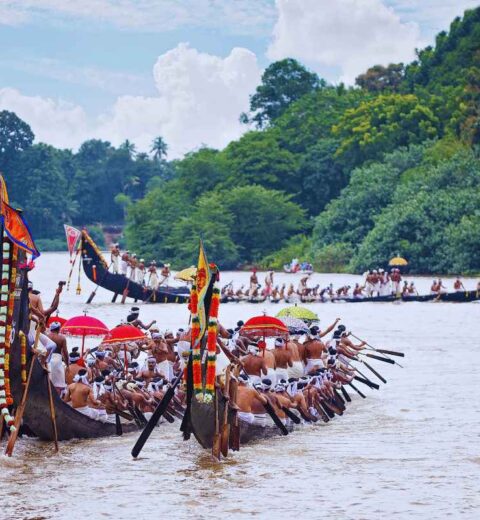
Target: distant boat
96,269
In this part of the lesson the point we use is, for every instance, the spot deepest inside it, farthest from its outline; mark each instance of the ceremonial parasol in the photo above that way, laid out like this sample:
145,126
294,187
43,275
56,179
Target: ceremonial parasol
54,319
84,326
123,334
301,313
186,275
295,325
397,261
266,326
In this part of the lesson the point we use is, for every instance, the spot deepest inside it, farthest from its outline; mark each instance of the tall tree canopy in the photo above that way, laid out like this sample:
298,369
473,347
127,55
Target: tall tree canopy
283,82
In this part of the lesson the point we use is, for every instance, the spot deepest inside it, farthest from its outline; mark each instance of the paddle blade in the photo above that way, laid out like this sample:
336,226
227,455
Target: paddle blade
118,425
357,390
159,411
278,423
345,394
385,360
391,352
225,440
91,297
375,372
367,382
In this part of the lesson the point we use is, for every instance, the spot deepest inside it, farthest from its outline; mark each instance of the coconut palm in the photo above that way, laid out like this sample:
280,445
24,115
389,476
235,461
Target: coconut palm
159,148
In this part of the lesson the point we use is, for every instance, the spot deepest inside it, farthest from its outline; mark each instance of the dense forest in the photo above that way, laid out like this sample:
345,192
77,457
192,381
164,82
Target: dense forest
344,177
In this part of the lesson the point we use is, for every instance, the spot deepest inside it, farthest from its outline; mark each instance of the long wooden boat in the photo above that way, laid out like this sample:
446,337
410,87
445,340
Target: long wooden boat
202,421
70,423
96,268
459,297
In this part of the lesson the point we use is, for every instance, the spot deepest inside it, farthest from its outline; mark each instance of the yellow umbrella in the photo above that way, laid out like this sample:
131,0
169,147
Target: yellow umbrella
186,275
397,261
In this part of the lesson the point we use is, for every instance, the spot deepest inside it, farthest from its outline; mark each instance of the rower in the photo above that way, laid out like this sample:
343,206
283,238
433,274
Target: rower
125,262
80,394
296,369
133,319
358,291
115,258
458,285
58,356
152,371
140,272
283,359
153,275
251,403
165,273
314,349
254,364
412,289
269,359
133,267
253,282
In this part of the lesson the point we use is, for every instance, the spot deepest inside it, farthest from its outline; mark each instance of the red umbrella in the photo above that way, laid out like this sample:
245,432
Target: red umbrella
265,326
124,334
84,326
57,319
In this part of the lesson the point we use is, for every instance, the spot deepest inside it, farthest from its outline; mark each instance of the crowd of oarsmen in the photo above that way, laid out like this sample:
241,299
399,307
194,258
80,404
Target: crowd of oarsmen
299,375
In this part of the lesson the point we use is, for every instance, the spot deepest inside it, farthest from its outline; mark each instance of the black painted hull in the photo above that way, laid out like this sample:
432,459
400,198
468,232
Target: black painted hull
203,425
459,297
96,270
70,423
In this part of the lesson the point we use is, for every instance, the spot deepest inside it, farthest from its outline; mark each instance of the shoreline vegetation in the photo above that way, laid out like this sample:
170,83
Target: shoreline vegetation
341,177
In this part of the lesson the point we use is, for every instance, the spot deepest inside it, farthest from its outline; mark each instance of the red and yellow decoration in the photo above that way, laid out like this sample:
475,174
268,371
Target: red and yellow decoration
201,324
7,292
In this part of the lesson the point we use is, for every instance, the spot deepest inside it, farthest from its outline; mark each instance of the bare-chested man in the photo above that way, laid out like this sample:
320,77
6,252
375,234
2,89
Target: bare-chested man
296,350
80,394
152,371
58,356
254,364
115,258
251,404
133,319
283,360
269,359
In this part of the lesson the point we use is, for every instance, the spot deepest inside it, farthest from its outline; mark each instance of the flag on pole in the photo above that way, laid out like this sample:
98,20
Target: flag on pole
203,279
72,234
17,230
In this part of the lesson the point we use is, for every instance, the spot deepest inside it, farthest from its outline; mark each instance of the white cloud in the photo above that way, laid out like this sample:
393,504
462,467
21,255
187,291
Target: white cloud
200,98
52,121
240,16
432,16
349,34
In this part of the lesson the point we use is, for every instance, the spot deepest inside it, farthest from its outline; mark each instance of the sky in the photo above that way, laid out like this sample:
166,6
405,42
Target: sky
184,69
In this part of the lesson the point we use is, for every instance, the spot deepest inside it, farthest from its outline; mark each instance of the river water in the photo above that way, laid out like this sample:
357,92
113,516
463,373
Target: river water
410,450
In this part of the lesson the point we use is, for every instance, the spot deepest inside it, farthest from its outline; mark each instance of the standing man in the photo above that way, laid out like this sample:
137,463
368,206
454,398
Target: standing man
115,258
124,263
253,282
58,357
165,273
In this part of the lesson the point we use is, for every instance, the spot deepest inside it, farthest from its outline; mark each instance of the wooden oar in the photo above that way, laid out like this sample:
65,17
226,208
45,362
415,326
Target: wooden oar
94,292
275,418
373,348
374,372
225,435
118,423
291,415
125,291
366,382
345,394
52,412
378,358
159,411
391,352
357,390
21,409
217,439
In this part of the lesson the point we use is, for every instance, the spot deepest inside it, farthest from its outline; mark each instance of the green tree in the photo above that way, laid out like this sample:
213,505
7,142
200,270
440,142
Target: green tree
15,137
283,82
159,149
381,125
380,79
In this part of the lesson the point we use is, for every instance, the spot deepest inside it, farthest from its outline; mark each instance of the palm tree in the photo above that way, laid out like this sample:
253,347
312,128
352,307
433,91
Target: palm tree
159,148
129,147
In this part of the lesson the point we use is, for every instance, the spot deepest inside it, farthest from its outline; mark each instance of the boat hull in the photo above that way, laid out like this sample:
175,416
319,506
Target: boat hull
96,270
